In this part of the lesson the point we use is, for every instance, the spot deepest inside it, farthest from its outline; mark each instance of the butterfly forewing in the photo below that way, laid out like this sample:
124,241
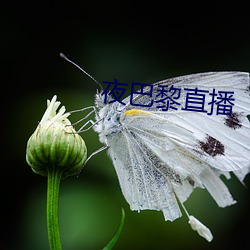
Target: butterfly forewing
222,140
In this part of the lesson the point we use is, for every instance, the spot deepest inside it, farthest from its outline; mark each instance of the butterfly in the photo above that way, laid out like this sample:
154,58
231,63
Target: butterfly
160,156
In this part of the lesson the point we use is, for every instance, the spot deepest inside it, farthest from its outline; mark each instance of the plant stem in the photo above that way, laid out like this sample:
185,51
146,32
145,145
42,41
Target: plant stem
54,177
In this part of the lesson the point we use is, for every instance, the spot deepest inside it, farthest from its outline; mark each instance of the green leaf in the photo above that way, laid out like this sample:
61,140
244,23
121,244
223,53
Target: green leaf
117,234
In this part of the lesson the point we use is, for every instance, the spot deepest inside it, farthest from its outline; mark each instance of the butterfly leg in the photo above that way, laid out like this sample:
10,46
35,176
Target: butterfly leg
96,152
82,128
86,116
91,155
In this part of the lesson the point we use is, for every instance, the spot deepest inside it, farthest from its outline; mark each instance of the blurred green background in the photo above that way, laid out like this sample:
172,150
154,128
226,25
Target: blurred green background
131,42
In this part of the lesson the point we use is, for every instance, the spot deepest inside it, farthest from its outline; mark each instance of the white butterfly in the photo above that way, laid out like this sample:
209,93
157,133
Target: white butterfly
161,156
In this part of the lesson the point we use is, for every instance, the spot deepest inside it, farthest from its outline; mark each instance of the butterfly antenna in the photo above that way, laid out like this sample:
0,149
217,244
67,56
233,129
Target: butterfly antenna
68,60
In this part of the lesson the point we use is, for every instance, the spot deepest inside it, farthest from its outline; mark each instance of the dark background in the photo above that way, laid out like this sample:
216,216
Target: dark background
132,42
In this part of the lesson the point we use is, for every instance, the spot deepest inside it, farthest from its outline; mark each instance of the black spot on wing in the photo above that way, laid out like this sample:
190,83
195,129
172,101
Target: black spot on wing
233,121
212,146
191,181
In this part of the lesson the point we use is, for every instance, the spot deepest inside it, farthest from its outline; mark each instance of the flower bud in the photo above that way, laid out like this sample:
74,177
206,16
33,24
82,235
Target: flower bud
55,144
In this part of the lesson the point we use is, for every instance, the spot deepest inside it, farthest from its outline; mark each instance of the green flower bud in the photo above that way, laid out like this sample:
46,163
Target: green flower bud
55,144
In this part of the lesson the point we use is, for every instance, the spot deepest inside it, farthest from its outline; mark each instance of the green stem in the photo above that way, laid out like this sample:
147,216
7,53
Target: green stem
54,177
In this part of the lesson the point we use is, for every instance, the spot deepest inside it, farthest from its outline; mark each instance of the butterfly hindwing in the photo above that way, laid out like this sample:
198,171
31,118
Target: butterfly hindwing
142,184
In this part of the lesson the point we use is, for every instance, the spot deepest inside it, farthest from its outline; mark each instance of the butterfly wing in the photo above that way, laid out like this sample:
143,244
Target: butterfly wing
141,183
231,134
223,140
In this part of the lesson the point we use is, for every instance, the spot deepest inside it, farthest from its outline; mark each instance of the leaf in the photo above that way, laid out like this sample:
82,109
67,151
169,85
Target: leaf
117,234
